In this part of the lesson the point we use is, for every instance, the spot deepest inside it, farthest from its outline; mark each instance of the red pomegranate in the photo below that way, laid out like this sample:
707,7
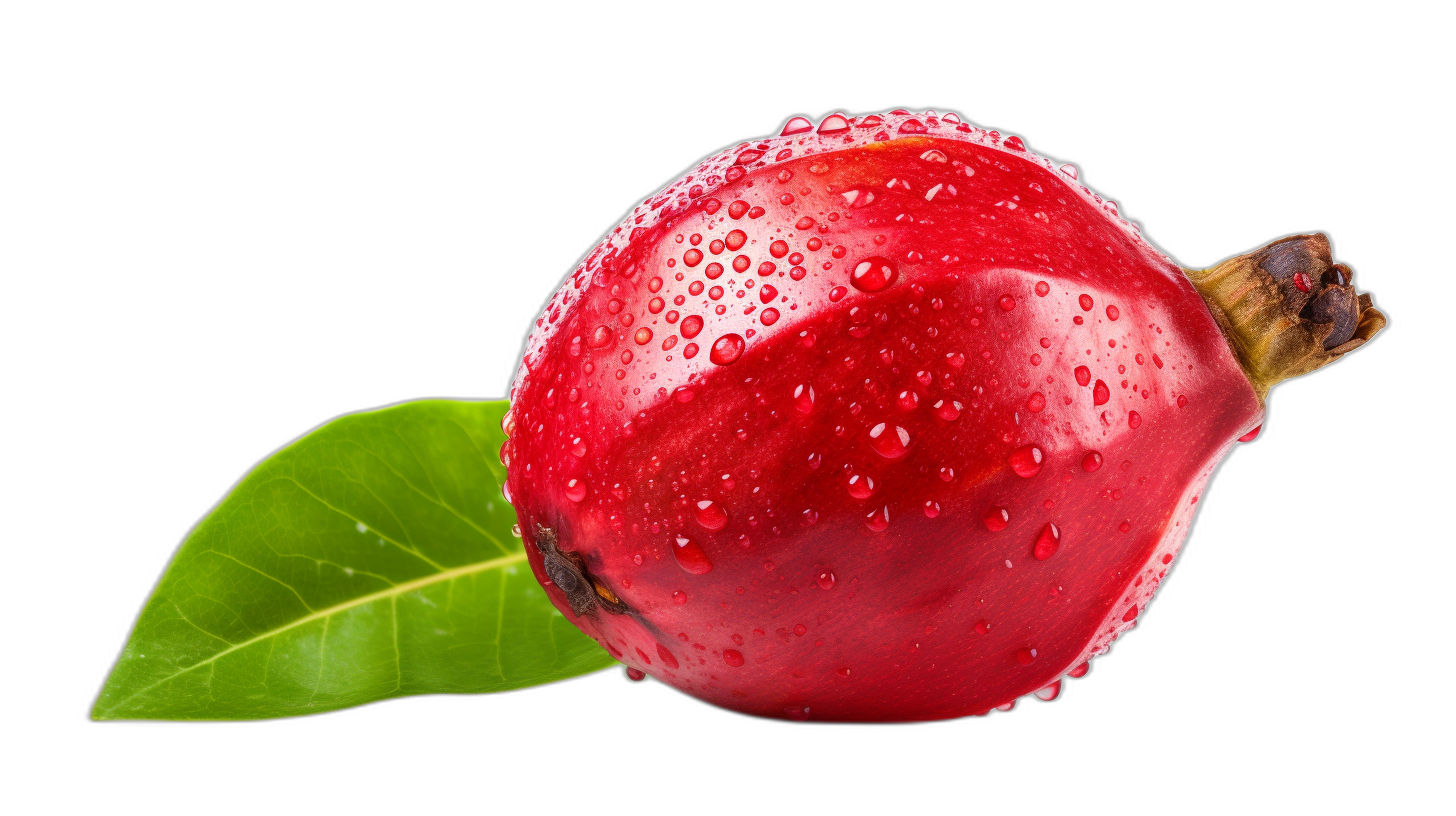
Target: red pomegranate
889,419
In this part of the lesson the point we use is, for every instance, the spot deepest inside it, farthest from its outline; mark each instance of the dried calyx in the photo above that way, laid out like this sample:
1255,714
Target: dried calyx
1287,309
568,572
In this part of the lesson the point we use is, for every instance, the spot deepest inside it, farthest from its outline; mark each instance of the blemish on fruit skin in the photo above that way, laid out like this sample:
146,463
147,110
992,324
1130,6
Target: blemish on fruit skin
957,395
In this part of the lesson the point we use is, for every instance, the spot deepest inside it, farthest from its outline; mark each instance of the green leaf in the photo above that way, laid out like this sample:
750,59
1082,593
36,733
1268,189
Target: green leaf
370,559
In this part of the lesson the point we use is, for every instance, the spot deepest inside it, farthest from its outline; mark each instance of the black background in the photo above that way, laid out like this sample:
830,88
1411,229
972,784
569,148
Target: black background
284,246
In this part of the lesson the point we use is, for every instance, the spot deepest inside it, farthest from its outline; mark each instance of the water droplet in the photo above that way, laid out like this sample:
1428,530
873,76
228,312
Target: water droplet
1113,313
1070,170
1036,402
1025,656
1042,288
1100,394
908,400
1130,615
733,657
893,442
735,239
982,627
691,325
679,597
795,126
1007,303
1079,670
837,293
878,520
1082,373
1026,461
860,487
1251,435
1134,419
576,490
635,675
1014,142
666,656
1085,301
1092,461
1047,542
601,338
1302,281
690,556
726,349
873,274
833,123
948,410
931,508
825,580
643,336
1051,692
711,515
996,519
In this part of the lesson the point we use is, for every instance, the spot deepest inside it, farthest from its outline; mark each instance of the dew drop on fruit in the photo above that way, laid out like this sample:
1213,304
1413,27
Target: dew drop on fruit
667,657
1134,419
643,336
1007,303
710,515
635,675
860,487
691,325
893,442
837,293
996,519
1026,461
1251,435
1113,313
733,657
1079,670
804,398
1047,542
1051,692
907,400
873,274
878,520
795,126
575,490
1092,461
690,556
825,580
1085,301
726,349
982,627
948,410
679,597
1025,656
834,123
931,508
1036,402
1100,394
1042,288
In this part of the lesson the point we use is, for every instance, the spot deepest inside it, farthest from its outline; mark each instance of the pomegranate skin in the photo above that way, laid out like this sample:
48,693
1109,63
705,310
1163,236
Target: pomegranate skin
950,466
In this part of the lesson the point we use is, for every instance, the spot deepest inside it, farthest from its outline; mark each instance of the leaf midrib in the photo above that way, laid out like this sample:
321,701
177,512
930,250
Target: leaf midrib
327,612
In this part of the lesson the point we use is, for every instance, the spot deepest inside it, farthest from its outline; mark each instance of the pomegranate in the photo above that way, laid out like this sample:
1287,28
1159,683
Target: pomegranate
889,419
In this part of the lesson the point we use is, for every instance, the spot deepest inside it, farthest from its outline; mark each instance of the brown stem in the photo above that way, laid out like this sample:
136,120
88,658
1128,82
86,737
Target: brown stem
1287,309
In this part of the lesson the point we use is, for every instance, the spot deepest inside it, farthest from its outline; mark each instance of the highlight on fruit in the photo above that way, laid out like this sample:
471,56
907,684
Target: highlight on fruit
883,418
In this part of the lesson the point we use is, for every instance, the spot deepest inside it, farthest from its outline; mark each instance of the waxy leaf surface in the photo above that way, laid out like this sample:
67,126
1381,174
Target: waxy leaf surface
372,558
